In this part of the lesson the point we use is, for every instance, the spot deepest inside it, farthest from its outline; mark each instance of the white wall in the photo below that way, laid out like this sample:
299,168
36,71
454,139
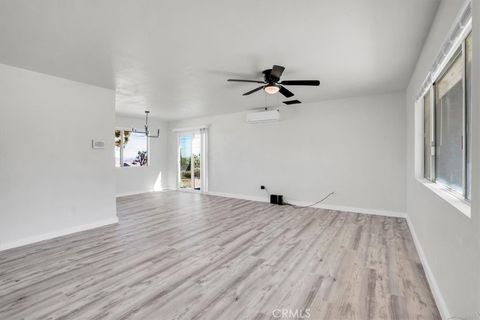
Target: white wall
450,240
143,179
354,147
51,180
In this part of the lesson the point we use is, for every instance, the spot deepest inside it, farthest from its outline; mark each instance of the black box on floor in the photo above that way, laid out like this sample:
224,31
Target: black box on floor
276,199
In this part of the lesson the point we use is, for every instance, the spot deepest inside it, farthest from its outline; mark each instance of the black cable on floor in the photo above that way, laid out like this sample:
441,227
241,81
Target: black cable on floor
319,201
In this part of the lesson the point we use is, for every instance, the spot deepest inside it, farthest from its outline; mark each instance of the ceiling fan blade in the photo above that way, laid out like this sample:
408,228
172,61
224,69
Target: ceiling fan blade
252,91
300,83
287,93
241,80
277,71
289,102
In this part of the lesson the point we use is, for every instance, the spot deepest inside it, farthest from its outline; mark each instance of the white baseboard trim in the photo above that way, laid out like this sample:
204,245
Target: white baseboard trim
386,213
56,234
119,195
126,194
437,294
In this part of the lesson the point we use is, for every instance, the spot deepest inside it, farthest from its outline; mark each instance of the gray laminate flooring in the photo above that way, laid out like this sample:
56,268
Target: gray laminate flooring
177,255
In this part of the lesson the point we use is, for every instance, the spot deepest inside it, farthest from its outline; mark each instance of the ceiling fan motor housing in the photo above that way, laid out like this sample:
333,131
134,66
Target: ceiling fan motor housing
269,78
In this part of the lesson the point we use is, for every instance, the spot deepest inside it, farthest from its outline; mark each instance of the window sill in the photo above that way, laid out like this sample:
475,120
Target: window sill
132,167
453,199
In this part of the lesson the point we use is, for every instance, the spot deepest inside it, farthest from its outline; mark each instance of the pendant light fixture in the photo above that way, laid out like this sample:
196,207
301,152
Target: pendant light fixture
147,132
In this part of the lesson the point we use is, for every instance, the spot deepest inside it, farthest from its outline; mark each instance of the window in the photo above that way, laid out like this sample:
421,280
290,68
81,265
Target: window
131,149
447,129
449,126
468,113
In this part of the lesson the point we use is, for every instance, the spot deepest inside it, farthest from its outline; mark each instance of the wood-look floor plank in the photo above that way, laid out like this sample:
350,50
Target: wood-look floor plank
181,256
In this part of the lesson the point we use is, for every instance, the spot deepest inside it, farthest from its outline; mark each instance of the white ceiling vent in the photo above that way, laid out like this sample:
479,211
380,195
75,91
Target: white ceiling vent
263,116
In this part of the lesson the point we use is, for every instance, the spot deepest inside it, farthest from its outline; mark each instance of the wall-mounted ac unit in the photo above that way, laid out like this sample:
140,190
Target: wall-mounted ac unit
263,116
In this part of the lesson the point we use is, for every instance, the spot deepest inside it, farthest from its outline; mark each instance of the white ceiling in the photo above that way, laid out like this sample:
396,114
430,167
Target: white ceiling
173,56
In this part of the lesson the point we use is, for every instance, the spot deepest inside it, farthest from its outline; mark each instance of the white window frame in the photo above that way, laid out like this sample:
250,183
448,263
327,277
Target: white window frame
459,201
122,130
431,93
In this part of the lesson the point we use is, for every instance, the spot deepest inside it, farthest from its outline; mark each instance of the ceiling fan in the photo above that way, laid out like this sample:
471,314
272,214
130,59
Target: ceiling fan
272,84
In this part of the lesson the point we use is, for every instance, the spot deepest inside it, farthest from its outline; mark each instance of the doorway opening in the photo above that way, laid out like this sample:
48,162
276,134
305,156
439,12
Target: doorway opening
191,161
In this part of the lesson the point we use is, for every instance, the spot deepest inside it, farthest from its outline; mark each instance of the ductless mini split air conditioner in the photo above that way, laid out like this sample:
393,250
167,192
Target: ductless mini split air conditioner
263,116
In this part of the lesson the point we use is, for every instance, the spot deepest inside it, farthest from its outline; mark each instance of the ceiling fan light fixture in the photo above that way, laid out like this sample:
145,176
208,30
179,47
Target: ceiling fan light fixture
272,82
271,89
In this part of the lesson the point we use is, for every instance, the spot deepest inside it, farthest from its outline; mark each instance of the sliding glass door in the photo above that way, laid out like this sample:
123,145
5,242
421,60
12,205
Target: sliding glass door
190,161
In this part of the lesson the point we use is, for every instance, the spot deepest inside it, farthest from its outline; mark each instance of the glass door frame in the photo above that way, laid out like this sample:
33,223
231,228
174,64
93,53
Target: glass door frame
203,158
